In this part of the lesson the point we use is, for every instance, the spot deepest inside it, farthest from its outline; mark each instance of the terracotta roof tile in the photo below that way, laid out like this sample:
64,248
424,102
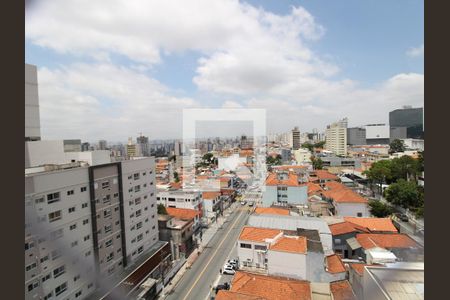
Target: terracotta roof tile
273,179
290,244
313,188
342,290
270,287
325,175
257,234
345,227
385,240
229,295
373,224
342,194
271,211
359,268
334,264
210,195
182,213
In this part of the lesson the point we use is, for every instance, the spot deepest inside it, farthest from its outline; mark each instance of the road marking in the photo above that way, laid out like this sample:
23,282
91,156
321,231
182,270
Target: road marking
207,264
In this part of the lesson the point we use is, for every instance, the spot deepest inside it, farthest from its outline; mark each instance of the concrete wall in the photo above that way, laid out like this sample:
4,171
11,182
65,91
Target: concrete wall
93,158
32,116
316,272
292,265
352,209
251,256
44,152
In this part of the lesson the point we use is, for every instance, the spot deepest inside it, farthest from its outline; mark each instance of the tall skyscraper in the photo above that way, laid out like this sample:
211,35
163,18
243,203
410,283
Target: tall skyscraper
143,145
32,118
356,136
246,142
102,144
132,150
411,118
336,137
295,137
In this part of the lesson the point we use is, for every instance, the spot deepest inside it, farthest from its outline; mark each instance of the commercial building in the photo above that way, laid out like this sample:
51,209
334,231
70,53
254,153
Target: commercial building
72,145
409,117
283,188
295,137
32,117
356,136
346,202
336,137
302,156
181,199
414,144
143,145
377,134
102,145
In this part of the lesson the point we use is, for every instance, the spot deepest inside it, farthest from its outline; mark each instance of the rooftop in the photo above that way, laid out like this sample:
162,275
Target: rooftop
210,195
325,175
182,213
373,224
289,222
346,227
341,290
290,244
257,234
389,240
342,194
271,211
334,264
288,179
270,287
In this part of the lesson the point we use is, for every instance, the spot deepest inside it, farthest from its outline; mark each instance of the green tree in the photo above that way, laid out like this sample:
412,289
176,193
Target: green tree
404,167
404,193
207,157
319,144
271,161
308,146
162,209
379,173
317,163
397,146
380,209
176,177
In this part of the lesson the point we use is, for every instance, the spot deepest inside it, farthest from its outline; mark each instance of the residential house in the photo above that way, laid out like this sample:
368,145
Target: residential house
283,188
345,201
212,205
179,233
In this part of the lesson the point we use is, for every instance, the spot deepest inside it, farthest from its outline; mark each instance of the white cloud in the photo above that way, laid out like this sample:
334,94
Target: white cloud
416,51
106,101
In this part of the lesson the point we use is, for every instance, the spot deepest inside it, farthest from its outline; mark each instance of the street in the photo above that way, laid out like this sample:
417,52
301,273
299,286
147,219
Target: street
197,282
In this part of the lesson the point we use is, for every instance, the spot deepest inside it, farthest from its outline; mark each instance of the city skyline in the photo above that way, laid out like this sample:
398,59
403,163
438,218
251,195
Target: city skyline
299,60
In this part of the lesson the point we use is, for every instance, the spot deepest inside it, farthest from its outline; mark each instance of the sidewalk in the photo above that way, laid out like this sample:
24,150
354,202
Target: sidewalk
206,238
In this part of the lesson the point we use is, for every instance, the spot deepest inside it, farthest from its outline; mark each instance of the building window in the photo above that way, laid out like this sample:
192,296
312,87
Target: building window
46,277
70,192
74,243
119,250
108,228
39,200
116,195
76,277
247,246
105,184
54,197
87,254
71,209
118,236
54,216
136,176
90,285
29,245
259,247
129,177
116,208
73,226
110,257
359,214
61,289
139,225
145,185
130,190
33,286
138,213
107,199
107,213
59,271
87,237
77,294
85,221
30,267
44,259
137,188
108,243
83,189
140,249
48,296
117,222
140,237
137,201
84,205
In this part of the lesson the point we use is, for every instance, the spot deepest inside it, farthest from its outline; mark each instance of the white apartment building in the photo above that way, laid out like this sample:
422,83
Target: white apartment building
59,254
336,137
32,118
139,203
302,156
181,199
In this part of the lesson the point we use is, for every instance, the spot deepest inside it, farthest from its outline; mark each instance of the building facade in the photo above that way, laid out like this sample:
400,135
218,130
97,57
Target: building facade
32,116
336,137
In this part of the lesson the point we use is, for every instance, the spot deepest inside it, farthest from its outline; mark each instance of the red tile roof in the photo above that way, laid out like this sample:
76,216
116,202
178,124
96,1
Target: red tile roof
272,211
359,268
346,227
182,213
334,264
273,180
373,224
313,188
342,194
325,175
385,240
210,195
270,287
290,244
342,290
257,234
229,295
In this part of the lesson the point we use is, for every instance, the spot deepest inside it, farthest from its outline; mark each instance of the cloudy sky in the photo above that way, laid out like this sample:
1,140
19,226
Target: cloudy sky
112,69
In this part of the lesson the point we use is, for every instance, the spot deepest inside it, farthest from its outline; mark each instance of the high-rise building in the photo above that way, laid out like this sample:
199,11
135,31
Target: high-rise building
143,145
356,136
102,144
411,118
295,137
85,146
377,134
86,223
246,142
336,137
32,118
132,150
72,145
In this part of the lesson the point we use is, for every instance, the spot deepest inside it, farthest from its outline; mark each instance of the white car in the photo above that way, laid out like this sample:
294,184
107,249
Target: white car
228,270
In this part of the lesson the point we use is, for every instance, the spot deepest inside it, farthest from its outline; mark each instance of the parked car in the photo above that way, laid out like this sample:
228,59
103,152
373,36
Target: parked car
229,265
225,286
228,269
402,217
233,262
243,202
250,204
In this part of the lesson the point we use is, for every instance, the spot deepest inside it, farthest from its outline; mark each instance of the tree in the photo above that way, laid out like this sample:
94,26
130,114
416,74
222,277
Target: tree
173,158
404,167
380,209
308,146
207,157
404,193
176,177
270,160
397,146
162,209
317,163
379,172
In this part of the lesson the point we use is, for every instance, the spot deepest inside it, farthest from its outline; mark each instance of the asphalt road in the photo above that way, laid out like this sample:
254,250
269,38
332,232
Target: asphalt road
197,282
